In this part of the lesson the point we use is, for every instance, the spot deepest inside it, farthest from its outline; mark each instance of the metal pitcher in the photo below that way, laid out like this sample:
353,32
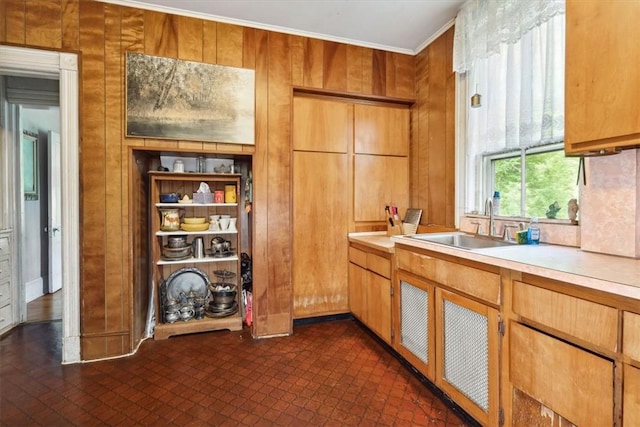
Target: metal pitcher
197,247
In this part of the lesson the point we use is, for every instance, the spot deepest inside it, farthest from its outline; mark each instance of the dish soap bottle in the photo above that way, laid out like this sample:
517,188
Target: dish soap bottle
534,231
496,203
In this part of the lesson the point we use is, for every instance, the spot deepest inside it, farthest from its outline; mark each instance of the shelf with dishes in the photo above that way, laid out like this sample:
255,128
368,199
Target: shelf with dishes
196,205
192,243
194,233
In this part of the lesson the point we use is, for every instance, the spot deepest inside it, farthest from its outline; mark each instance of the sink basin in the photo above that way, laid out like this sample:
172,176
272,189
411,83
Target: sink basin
461,240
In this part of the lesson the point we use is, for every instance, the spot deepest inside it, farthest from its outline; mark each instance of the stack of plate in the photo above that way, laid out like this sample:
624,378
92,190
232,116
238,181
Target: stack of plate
176,254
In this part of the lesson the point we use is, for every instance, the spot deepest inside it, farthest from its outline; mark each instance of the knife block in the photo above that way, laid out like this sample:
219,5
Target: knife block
395,230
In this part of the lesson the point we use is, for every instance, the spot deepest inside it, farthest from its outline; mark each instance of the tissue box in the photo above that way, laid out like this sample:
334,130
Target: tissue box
202,198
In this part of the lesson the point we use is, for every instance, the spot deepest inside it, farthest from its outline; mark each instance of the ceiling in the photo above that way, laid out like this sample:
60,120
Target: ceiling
404,26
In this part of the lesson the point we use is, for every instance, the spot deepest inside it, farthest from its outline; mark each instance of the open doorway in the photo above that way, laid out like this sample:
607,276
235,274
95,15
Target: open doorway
63,67
40,240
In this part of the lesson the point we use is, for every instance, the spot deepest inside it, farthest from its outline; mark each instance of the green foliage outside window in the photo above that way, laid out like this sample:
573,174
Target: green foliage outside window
550,177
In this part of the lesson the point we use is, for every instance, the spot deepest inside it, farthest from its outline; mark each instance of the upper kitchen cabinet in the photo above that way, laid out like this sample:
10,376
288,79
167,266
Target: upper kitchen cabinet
602,112
382,130
332,128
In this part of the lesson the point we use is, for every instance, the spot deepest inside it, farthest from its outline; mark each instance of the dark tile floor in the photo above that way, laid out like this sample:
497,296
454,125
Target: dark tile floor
325,374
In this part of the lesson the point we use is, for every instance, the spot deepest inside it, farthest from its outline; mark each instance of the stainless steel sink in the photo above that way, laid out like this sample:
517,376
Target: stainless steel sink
463,241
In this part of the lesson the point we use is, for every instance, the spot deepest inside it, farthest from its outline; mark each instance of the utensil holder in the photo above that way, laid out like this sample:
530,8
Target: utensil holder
394,230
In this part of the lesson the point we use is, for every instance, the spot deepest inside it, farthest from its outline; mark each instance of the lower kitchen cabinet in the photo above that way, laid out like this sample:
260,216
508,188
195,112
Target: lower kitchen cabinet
575,384
449,335
467,364
370,289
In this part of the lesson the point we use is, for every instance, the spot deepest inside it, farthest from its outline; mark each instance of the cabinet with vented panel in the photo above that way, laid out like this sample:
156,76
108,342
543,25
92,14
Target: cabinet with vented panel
448,326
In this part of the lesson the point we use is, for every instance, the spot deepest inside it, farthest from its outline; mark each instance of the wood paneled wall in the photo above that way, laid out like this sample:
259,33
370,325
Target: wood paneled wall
433,134
101,34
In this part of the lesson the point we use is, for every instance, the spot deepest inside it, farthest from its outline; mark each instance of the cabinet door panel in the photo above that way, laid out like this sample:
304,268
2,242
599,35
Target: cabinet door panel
322,125
379,305
357,295
551,371
381,130
379,180
467,354
320,241
413,322
631,397
631,337
602,81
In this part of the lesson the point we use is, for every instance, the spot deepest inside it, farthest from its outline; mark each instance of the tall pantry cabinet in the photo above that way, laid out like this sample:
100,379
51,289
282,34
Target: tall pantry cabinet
350,158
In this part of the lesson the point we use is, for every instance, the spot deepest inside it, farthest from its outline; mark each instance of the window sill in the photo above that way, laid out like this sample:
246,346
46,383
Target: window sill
552,231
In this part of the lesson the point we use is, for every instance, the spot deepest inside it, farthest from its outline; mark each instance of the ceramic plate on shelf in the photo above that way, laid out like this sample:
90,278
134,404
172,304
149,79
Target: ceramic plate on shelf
186,280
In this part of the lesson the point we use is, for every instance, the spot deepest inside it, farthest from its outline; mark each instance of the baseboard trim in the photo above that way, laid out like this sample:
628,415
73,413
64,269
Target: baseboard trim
33,289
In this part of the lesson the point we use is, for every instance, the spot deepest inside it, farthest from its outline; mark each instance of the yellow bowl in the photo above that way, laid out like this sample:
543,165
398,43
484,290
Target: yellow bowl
194,227
194,220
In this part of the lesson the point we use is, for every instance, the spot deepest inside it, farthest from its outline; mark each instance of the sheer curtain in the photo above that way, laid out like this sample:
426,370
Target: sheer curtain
512,53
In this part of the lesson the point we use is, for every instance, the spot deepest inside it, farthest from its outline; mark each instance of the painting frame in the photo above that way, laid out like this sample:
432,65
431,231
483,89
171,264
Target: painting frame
30,165
170,98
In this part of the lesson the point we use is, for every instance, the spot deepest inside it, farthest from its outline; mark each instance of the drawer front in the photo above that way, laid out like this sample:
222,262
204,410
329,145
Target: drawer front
571,315
5,292
357,256
551,371
379,265
471,281
631,335
4,246
5,268
6,317
421,265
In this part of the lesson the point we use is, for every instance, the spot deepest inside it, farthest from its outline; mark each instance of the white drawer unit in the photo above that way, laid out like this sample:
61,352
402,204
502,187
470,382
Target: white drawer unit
4,246
5,292
6,317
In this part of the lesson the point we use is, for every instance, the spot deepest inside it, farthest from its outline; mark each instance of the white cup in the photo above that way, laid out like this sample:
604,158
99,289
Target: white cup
224,223
232,224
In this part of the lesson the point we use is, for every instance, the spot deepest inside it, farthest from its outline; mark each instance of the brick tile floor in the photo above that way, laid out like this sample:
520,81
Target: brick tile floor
325,374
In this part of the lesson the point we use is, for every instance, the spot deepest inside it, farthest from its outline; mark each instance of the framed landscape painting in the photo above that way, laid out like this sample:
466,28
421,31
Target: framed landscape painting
175,99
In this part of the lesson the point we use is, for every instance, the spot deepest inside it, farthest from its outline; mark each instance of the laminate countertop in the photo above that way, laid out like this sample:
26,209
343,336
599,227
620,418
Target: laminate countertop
375,239
608,273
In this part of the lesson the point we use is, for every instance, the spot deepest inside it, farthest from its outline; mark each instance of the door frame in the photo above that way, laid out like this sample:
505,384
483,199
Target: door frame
60,66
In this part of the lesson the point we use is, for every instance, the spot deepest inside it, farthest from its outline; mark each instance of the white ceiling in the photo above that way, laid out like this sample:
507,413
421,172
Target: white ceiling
405,26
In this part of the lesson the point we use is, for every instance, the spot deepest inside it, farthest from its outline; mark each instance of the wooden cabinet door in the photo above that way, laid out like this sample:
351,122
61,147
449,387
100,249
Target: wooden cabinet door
602,79
322,125
379,305
631,397
379,180
358,279
414,330
552,372
467,354
320,228
382,130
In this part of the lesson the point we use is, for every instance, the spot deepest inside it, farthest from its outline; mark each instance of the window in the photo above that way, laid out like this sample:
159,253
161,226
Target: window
511,54
549,181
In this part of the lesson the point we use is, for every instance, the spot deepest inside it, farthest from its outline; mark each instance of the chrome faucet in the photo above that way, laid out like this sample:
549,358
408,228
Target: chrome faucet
488,210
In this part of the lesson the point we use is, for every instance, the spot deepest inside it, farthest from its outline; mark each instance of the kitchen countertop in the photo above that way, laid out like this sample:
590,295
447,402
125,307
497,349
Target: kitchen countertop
374,239
617,275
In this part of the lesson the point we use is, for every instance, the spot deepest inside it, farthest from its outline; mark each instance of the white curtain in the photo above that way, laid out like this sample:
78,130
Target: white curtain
512,52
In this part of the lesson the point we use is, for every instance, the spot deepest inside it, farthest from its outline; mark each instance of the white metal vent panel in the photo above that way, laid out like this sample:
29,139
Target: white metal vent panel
414,307
466,352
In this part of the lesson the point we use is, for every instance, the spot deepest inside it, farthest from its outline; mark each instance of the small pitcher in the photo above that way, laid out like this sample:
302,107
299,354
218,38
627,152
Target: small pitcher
170,219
